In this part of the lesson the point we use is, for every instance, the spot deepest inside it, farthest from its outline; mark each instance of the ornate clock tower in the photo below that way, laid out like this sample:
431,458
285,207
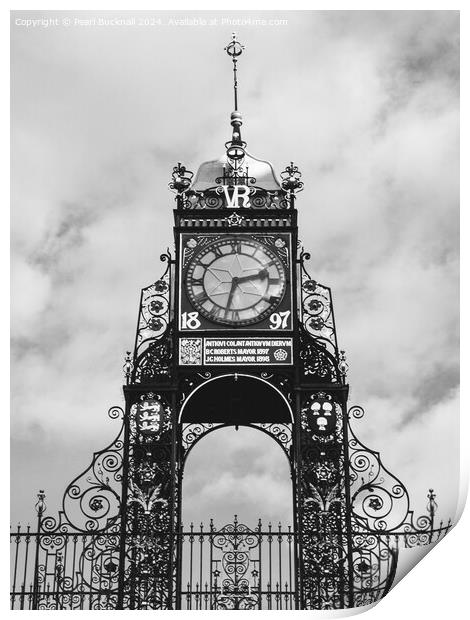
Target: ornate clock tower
234,333
237,333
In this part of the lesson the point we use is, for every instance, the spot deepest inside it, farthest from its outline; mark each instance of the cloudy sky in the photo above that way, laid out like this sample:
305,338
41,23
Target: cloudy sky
366,103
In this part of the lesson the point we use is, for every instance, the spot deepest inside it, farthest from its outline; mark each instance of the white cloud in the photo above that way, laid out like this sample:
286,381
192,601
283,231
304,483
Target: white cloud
31,294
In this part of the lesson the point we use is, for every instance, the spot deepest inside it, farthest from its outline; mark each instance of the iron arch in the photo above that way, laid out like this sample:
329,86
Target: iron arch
236,398
282,435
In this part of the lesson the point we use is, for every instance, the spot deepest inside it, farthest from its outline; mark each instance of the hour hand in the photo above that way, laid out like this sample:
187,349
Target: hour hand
233,288
254,276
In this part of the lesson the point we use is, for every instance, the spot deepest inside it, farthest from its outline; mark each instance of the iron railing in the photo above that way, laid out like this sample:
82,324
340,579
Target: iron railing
238,568
233,567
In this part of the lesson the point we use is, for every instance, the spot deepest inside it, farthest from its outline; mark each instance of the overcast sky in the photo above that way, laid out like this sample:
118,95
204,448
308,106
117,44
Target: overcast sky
366,103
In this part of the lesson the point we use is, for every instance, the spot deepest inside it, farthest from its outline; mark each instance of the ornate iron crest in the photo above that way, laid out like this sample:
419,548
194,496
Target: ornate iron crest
150,416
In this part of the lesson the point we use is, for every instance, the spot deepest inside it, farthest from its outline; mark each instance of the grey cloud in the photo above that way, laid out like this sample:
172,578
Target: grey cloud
65,237
436,387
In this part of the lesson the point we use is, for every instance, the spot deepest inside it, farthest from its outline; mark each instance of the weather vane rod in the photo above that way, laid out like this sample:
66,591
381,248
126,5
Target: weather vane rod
234,49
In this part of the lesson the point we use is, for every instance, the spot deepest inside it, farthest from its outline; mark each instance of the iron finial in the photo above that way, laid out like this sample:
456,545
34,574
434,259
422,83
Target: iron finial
181,178
343,365
128,367
291,176
41,504
432,504
234,49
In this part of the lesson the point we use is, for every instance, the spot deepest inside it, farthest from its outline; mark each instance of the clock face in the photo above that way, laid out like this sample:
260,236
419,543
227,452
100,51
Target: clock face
235,281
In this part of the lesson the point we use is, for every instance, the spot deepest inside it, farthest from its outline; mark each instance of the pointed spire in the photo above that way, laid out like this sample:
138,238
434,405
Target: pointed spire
234,50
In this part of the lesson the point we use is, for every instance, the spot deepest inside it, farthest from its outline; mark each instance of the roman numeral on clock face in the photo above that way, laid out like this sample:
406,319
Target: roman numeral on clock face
237,246
271,298
201,297
215,312
232,315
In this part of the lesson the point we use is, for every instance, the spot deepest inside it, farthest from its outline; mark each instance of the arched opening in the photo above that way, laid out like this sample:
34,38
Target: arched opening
236,399
242,472
237,468
238,549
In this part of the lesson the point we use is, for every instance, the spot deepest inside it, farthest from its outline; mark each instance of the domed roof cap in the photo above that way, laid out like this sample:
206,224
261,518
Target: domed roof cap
262,171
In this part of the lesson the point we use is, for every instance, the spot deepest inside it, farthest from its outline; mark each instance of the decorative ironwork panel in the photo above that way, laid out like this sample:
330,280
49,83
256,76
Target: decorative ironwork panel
317,363
153,344
192,432
379,500
216,198
322,505
65,570
316,309
149,565
238,568
71,561
381,520
92,501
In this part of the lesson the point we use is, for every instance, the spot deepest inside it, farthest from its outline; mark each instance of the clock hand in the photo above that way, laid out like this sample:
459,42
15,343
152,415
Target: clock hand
236,281
254,276
231,294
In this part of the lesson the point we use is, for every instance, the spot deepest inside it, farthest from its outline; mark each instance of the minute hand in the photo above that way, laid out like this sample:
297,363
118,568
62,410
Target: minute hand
261,274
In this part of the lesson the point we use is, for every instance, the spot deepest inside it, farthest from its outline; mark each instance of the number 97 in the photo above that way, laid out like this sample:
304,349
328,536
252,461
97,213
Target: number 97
279,320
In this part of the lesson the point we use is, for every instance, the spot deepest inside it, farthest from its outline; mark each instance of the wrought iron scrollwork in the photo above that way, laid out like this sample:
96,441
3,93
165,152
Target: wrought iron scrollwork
379,500
322,501
373,567
91,502
76,552
192,432
316,312
235,587
155,361
281,433
189,382
150,505
153,346
281,382
381,520
214,197
320,359
317,363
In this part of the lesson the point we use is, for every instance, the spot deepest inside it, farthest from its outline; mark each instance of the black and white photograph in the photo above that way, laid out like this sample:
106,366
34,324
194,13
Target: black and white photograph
234,306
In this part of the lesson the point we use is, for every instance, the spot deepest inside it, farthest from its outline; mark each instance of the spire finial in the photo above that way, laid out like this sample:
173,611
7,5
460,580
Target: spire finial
234,49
